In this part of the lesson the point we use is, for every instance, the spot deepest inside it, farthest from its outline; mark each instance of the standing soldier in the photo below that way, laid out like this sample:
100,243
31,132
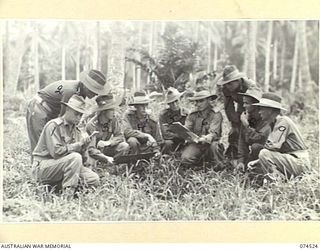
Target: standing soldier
46,104
109,142
172,114
57,157
232,83
141,131
285,151
253,131
205,123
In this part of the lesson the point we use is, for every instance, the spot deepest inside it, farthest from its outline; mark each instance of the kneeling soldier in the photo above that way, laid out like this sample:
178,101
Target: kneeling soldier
140,130
58,153
205,123
253,131
109,142
172,114
285,151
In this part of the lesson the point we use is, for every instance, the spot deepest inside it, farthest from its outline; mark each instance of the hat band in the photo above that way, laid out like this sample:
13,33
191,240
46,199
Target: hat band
232,75
93,83
270,103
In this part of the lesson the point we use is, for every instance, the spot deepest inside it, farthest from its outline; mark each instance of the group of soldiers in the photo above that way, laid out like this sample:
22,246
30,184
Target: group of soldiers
261,140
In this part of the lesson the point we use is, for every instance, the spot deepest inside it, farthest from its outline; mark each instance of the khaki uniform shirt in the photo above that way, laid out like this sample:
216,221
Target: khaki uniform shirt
257,132
58,91
207,123
57,139
167,117
231,98
285,136
133,127
110,131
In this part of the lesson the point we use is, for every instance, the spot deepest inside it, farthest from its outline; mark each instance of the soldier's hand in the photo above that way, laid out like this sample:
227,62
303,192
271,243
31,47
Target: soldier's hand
151,139
157,155
109,159
102,144
85,140
201,140
252,164
244,119
241,166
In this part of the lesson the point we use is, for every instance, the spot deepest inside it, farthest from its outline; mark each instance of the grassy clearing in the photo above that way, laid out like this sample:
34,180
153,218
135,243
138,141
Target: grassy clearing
162,195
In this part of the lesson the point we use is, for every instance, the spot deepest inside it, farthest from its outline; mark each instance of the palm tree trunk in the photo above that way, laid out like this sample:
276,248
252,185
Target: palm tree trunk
294,63
117,56
63,61
134,77
78,61
151,43
252,27
98,35
209,51
138,75
282,60
215,57
299,78
36,57
275,60
268,52
305,68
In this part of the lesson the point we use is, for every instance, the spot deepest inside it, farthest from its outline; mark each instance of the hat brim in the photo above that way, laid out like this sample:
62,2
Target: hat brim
195,98
99,91
177,97
268,106
76,108
255,97
139,103
239,76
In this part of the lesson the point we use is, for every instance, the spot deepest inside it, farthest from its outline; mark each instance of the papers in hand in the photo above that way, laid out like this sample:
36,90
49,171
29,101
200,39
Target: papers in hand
183,132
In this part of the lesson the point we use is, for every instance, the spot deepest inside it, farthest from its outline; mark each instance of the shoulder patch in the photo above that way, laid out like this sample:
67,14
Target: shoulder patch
282,128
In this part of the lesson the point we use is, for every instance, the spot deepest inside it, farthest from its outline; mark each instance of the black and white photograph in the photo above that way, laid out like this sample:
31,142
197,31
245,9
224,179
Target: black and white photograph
160,120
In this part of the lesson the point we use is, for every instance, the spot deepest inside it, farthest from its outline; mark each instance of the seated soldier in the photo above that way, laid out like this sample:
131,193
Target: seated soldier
285,151
172,114
141,131
58,153
205,123
110,140
253,131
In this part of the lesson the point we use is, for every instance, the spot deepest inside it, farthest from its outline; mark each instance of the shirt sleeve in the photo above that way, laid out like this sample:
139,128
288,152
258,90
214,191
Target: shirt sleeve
243,149
253,136
129,131
233,116
55,145
278,136
94,152
215,128
189,122
117,134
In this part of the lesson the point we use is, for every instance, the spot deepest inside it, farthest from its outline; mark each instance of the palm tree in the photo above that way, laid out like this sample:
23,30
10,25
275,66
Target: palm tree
305,68
252,32
294,63
268,50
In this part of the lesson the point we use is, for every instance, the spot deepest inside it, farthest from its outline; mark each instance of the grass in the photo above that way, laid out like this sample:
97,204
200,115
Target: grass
162,195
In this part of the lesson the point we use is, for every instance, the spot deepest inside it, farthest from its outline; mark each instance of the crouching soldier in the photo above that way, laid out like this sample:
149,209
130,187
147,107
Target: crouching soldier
205,123
109,141
253,131
285,151
172,114
232,82
58,153
140,130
